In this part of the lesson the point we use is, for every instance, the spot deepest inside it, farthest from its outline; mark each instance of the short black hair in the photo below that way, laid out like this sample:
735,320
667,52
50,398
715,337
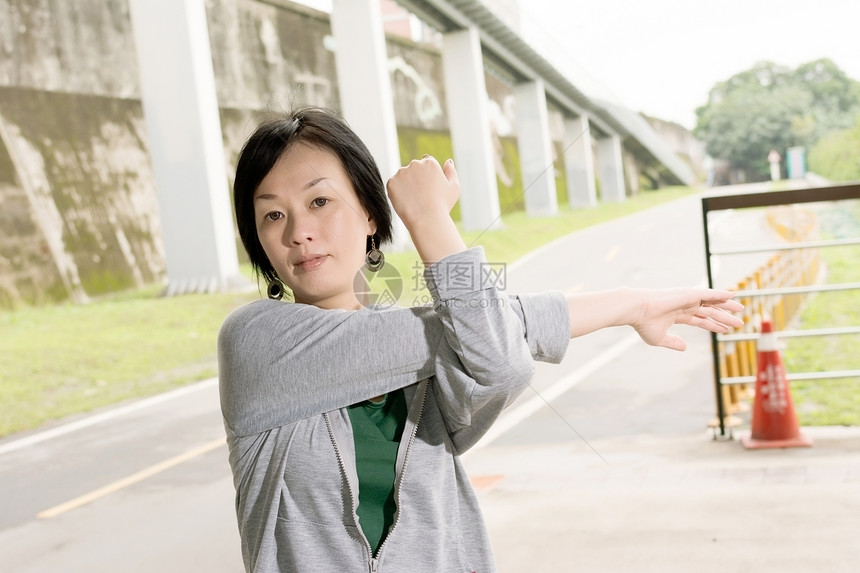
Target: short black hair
320,128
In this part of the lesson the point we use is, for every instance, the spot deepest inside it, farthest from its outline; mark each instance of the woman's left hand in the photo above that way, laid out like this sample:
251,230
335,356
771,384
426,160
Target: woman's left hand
424,190
423,194
703,308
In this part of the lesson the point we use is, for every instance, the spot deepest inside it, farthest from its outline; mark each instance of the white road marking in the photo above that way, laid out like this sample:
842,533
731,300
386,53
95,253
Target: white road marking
519,413
103,417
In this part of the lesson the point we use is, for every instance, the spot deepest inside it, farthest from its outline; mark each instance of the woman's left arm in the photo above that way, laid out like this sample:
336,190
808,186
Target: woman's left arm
486,361
492,340
547,329
652,311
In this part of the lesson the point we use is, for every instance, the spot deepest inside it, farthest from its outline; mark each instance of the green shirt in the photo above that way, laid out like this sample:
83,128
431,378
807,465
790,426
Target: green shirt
377,429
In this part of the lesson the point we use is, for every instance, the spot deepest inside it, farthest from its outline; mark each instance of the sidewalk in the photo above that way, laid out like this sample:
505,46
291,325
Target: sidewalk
674,503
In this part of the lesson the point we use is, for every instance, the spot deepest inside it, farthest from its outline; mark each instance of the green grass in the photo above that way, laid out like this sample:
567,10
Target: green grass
66,359
830,401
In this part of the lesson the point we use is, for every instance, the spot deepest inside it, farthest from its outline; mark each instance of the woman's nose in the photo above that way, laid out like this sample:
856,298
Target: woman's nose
298,230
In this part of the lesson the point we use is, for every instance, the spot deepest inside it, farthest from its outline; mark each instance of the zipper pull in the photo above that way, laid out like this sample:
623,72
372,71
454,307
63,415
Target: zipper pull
373,564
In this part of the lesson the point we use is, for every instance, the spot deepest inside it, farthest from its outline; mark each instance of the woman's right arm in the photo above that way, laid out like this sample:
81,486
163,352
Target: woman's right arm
281,362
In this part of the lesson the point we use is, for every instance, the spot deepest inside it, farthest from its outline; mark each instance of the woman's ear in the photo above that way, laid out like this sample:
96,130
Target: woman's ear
371,226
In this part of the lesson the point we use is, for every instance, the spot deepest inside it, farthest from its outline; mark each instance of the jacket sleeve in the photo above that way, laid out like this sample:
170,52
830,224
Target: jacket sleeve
279,363
492,340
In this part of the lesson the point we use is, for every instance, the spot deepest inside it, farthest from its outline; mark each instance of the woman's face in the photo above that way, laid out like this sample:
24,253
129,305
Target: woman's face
312,226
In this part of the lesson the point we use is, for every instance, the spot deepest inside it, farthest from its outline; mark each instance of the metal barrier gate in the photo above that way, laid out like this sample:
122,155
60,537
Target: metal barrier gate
776,289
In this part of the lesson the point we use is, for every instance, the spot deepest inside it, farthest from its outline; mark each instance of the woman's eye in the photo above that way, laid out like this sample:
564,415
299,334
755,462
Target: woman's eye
320,202
274,216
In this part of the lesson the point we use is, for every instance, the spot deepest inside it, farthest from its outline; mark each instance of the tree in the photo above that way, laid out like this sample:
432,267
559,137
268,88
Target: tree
772,107
835,96
837,155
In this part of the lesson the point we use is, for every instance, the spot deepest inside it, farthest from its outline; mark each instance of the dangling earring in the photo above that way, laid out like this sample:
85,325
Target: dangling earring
275,289
374,259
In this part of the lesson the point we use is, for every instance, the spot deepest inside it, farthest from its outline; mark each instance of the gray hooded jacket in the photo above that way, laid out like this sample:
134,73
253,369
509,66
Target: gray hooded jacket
287,372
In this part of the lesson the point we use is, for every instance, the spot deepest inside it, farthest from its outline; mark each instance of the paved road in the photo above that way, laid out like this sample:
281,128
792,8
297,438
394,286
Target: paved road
619,475
178,519
633,392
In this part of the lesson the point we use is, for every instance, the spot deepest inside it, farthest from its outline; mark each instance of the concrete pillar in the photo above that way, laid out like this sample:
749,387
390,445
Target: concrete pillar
366,101
579,163
177,87
533,143
611,169
466,96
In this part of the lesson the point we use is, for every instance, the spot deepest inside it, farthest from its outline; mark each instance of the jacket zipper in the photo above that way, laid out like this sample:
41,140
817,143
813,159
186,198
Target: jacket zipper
349,487
374,560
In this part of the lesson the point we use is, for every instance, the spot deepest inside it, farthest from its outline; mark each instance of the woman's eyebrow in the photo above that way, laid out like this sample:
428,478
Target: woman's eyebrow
313,182
305,187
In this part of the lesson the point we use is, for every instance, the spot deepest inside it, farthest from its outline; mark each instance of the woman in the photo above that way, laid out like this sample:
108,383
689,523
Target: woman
345,424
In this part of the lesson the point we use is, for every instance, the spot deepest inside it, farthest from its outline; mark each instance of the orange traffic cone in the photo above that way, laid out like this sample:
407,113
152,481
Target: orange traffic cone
774,423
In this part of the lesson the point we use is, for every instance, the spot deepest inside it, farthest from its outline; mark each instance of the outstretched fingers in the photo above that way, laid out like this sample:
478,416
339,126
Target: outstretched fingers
716,297
716,317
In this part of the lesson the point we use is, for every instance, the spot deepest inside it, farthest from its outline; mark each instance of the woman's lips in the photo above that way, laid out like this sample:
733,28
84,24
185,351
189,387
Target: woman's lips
312,262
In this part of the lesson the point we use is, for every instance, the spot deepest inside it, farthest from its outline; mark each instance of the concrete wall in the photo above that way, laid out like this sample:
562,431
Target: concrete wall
267,56
79,216
78,211
80,46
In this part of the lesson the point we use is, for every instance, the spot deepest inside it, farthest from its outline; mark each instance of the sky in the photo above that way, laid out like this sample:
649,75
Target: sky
662,57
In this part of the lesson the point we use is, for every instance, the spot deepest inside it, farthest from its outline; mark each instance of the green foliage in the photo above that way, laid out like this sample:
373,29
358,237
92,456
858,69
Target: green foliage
772,107
511,195
837,155
830,401
835,96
